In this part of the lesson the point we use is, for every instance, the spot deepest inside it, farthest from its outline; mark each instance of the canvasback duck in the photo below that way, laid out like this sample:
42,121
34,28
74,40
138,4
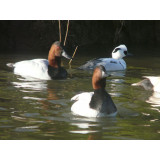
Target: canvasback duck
149,83
42,68
98,103
111,64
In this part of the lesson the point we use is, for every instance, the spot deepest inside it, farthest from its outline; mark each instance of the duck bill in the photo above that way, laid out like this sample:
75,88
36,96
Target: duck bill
105,74
64,54
129,54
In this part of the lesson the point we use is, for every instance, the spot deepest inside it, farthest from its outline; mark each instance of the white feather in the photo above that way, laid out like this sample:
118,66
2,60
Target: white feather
81,106
111,64
37,68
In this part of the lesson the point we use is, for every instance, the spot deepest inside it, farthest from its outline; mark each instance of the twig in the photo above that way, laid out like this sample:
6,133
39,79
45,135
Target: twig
66,33
72,57
118,31
59,30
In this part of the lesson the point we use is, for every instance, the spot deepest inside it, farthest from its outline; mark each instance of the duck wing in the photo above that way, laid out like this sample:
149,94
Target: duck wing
91,64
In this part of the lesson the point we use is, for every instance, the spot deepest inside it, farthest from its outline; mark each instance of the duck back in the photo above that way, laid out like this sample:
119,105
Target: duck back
110,64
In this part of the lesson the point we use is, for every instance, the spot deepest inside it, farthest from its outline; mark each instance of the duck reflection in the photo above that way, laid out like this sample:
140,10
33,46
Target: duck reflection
94,128
30,84
50,96
35,87
117,73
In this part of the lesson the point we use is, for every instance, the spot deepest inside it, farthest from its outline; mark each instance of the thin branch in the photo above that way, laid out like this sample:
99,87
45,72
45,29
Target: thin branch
59,30
72,57
66,33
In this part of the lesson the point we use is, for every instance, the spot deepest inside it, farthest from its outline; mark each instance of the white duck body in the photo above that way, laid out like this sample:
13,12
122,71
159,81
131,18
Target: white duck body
115,63
112,64
37,68
81,106
97,103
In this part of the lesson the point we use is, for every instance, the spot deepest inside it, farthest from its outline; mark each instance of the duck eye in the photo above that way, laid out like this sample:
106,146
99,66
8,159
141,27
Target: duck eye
116,50
125,52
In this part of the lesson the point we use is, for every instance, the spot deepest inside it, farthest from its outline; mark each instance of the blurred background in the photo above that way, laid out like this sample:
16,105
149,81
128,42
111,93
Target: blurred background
38,35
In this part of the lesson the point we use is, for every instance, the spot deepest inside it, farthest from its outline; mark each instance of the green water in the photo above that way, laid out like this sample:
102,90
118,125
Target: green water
41,109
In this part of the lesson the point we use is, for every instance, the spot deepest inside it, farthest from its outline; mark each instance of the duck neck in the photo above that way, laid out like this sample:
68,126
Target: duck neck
102,102
55,62
98,83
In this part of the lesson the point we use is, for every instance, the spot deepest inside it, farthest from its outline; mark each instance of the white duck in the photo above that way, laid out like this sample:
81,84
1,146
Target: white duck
42,68
111,64
98,103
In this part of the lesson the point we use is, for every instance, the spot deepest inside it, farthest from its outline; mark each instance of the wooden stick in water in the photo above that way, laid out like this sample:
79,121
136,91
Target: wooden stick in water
66,33
72,57
59,30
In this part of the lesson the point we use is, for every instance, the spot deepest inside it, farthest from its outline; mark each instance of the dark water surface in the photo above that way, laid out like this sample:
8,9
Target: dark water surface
36,109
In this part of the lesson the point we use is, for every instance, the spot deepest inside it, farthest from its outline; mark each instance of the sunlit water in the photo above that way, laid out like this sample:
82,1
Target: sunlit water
36,109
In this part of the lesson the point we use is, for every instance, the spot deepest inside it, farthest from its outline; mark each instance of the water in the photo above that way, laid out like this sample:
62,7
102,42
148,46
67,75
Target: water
36,109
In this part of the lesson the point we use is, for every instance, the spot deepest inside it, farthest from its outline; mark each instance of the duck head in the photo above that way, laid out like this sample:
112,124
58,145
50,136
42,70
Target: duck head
99,77
59,50
55,53
119,52
101,100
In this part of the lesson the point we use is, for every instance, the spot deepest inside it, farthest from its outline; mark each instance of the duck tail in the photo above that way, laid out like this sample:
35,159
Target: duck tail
11,65
75,98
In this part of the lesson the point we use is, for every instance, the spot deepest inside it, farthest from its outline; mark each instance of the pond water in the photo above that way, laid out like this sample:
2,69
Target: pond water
36,109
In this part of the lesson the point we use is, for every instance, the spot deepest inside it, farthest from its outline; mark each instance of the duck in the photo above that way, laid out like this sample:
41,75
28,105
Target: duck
115,63
151,83
42,68
98,103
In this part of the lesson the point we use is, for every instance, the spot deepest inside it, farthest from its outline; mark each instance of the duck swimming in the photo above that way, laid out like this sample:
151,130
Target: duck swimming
42,68
149,83
98,103
111,64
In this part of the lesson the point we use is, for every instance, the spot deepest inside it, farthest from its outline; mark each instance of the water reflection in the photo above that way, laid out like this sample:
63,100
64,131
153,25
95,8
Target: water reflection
93,127
27,129
117,73
115,87
35,85
29,83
